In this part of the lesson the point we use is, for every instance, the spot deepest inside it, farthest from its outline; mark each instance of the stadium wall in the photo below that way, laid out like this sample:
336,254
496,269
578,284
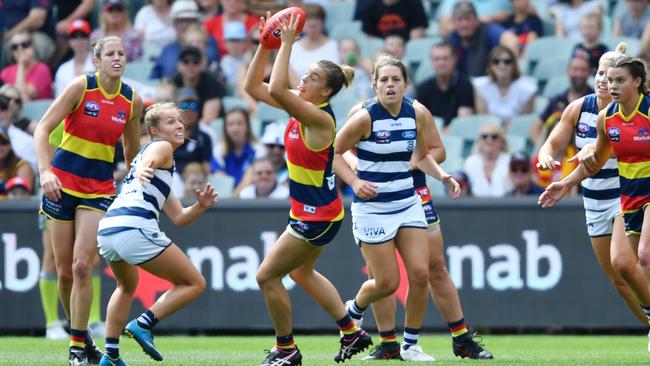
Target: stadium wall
516,266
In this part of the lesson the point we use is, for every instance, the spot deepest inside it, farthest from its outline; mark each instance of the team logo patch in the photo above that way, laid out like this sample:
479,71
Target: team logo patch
582,129
293,134
410,146
409,135
120,118
382,137
91,109
614,134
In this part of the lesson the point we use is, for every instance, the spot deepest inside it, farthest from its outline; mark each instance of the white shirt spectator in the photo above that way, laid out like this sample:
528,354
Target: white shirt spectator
569,17
66,73
509,105
498,184
302,58
154,30
280,192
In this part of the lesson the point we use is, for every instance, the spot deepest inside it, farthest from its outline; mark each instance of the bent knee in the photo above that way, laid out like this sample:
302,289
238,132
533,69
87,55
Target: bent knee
387,286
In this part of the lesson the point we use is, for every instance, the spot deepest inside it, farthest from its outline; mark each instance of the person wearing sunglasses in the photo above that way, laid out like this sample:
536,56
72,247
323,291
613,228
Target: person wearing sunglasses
487,167
32,77
316,207
77,184
521,176
264,183
81,62
504,93
114,21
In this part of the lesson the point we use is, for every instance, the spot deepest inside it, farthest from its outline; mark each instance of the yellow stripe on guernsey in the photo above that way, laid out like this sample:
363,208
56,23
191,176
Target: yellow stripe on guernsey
634,170
305,176
87,149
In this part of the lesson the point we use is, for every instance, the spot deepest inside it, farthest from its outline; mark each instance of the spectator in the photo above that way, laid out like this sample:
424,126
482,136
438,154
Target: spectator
578,73
191,74
404,17
154,23
194,177
521,176
237,42
183,13
634,21
449,93
67,11
504,93
20,130
590,48
488,11
165,92
264,184
208,8
197,36
32,77
234,155
29,16
82,59
349,54
114,21
11,165
568,14
524,23
474,40
394,45
18,188
233,10
487,168
314,46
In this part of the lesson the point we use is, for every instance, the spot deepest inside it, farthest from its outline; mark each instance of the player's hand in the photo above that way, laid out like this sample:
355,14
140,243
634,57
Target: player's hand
144,172
587,157
289,29
452,186
207,197
364,189
50,185
546,162
553,194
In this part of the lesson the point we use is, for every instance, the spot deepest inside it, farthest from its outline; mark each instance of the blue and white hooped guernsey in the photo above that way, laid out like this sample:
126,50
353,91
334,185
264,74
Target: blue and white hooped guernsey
600,192
138,205
384,160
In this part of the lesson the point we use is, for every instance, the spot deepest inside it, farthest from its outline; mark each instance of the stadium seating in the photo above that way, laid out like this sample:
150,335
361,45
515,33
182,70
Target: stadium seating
230,102
139,71
267,114
347,29
418,51
516,143
520,125
555,85
34,109
542,47
370,46
540,104
440,124
223,185
549,67
633,44
423,72
338,12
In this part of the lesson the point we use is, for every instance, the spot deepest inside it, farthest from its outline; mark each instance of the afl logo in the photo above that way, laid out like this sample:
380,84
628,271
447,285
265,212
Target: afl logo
91,109
382,137
582,129
293,134
409,135
614,134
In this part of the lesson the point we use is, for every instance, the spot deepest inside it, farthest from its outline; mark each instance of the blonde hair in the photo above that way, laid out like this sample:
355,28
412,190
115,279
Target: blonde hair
98,46
153,114
489,128
609,56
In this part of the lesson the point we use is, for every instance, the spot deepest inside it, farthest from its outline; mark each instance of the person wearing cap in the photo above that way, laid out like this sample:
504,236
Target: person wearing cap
32,77
81,62
11,165
233,11
235,37
18,188
67,11
154,23
474,40
191,73
183,13
521,176
114,21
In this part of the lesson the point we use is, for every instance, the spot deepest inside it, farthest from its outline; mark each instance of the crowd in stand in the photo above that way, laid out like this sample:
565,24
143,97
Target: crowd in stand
474,55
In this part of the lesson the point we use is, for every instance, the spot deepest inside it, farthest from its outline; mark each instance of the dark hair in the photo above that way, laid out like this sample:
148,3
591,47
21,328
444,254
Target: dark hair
229,145
313,10
494,53
9,164
635,67
446,44
388,60
337,76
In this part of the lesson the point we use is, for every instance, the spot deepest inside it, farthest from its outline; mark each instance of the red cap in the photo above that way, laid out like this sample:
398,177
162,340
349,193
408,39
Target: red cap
18,182
79,25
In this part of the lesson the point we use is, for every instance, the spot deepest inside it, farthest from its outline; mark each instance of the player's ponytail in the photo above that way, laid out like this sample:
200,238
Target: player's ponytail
609,56
337,76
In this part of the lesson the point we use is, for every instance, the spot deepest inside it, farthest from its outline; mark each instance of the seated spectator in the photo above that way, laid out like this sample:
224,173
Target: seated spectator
18,188
232,11
114,21
521,176
20,130
487,169
314,45
234,155
568,14
165,91
590,48
504,93
183,13
395,46
524,23
198,145
32,77
82,59
237,44
264,184
67,11
407,18
11,165
449,93
578,73
488,11
196,36
153,22
474,40
191,73
194,178
350,54
33,17
208,8
633,21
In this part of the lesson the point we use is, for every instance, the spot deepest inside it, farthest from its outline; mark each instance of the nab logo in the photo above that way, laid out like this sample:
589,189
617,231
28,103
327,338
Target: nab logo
614,134
91,109
582,129
374,231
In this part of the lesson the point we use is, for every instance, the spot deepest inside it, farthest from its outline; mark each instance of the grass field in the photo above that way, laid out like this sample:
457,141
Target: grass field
319,350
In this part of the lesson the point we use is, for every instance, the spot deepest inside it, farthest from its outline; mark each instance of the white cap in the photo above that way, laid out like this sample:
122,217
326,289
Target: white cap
185,9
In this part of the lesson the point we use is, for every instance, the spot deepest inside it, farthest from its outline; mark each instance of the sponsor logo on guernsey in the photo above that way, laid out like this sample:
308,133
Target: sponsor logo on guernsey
106,101
423,192
582,129
293,134
374,231
118,119
410,145
642,135
331,182
614,134
382,137
409,134
91,109
309,209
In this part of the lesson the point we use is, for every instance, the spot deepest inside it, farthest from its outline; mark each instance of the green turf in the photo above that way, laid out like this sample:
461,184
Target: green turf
319,350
